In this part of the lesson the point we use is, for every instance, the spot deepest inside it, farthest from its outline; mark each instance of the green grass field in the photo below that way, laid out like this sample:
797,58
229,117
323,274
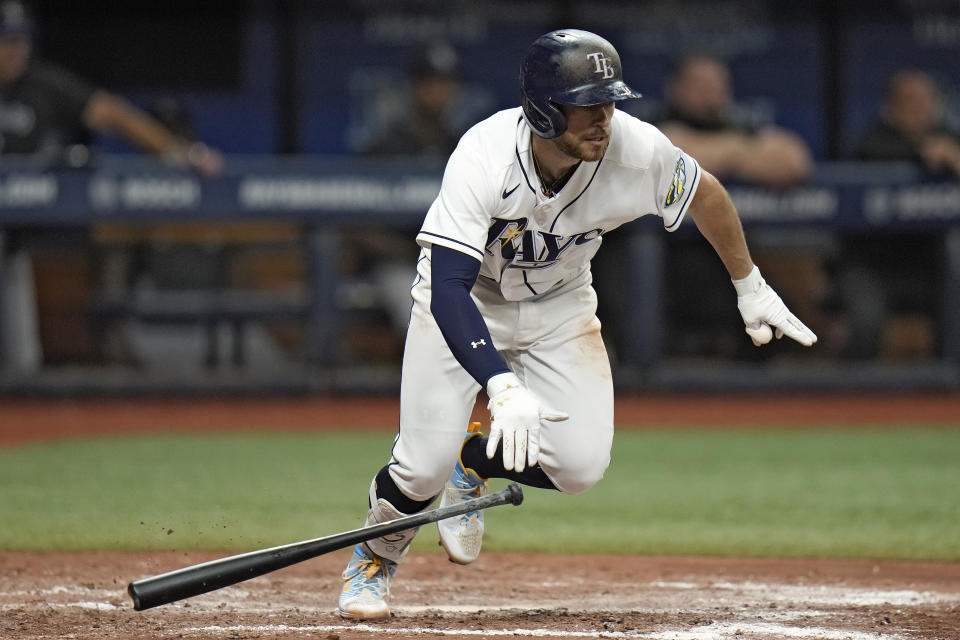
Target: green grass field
877,493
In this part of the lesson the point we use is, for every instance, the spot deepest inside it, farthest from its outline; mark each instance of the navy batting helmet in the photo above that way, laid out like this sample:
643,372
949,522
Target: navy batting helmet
568,66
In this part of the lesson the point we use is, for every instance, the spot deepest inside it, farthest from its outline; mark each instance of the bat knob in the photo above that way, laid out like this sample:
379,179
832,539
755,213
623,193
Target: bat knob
515,493
135,596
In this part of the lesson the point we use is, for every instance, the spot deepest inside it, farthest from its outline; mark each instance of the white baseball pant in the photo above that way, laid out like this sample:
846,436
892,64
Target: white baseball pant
552,343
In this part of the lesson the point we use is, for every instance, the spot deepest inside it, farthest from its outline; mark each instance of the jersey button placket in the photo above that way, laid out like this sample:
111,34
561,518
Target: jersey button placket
542,214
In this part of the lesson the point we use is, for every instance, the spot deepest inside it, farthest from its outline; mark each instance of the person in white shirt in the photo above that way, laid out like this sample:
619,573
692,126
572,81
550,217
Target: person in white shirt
503,299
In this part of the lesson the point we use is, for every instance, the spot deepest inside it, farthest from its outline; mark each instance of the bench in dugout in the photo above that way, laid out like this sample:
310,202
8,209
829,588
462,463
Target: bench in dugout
212,275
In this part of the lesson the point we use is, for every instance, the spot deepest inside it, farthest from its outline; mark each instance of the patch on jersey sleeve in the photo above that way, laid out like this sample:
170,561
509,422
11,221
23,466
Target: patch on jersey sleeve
679,183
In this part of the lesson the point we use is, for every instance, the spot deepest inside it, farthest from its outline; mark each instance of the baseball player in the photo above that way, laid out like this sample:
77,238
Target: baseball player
503,299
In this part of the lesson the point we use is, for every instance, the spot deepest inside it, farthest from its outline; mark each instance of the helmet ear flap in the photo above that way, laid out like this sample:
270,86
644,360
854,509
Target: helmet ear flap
547,121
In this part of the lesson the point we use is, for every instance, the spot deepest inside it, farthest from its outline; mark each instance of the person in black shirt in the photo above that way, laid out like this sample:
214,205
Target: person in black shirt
700,115
43,107
44,111
910,127
427,128
700,120
892,283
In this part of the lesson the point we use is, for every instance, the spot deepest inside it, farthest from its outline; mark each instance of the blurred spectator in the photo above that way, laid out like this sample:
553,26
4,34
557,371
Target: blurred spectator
44,111
427,130
910,126
174,117
890,285
43,107
700,120
428,127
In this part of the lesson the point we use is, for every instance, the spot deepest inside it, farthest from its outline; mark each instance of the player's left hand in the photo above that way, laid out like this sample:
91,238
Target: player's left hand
765,314
515,415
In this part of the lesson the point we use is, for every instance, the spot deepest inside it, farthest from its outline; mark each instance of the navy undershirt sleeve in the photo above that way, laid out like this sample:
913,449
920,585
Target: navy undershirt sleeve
453,275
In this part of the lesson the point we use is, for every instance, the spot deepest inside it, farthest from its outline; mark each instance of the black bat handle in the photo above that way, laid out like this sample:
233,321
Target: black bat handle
216,574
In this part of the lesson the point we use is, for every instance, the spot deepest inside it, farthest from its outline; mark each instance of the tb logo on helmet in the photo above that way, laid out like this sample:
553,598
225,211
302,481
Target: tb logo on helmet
601,64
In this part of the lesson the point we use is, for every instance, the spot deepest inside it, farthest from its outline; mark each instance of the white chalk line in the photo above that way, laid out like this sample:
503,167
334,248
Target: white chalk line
715,631
744,630
820,594
772,624
60,589
407,631
838,596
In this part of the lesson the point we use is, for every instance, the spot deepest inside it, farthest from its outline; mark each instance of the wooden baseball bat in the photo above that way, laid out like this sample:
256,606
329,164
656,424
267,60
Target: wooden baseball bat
216,574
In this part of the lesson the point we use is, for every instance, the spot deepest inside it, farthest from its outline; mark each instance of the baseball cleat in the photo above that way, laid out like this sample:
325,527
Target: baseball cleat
462,536
366,586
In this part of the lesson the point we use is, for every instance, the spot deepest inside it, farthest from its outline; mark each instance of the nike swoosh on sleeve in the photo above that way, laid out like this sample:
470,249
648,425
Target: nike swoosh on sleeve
506,194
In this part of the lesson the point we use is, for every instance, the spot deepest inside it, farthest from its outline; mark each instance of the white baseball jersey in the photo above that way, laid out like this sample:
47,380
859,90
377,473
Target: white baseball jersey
534,292
491,206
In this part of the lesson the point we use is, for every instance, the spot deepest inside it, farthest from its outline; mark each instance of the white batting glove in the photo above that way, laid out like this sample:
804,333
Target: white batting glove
761,309
515,415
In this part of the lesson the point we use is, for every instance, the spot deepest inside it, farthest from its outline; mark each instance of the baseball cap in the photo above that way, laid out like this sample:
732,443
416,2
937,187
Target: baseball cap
436,60
14,19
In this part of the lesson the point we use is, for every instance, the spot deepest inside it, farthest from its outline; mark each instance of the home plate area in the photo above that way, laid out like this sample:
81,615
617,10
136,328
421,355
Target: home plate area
82,595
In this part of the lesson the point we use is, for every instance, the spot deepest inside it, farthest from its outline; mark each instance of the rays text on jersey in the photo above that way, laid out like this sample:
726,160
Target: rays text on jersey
531,248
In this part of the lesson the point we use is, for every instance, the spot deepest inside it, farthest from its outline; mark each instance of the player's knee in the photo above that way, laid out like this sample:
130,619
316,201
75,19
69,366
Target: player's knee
423,458
576,464
577,484
421,483
578,475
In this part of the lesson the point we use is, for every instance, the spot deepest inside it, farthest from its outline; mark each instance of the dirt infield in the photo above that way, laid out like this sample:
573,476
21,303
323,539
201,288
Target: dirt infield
61,595
499,596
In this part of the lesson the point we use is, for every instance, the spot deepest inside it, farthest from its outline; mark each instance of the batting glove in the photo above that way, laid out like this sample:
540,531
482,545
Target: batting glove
515,415
761,309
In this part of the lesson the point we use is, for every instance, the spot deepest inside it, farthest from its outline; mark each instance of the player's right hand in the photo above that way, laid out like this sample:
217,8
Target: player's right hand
515,415
765,314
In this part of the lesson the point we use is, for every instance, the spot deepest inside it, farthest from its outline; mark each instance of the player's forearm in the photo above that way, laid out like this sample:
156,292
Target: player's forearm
941,153
718,222
775,158
718,153
109,113
463,327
